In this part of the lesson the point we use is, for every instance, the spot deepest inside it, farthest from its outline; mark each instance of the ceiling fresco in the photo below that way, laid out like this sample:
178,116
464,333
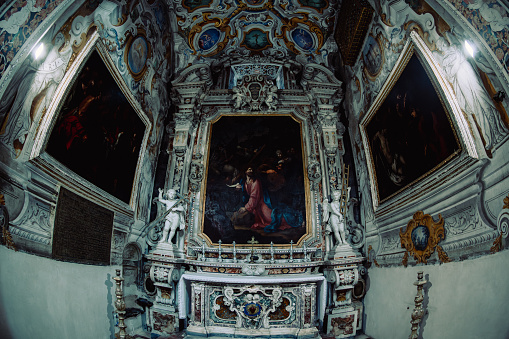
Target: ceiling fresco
244,28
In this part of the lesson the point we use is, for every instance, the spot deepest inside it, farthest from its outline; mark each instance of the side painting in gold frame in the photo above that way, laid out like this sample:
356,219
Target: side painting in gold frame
409,131
255,181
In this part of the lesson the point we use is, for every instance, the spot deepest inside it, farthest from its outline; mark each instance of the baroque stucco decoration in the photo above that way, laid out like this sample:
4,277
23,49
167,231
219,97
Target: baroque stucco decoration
422,236
266,28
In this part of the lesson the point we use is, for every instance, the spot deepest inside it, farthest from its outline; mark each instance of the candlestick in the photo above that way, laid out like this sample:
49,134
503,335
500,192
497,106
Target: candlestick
234,253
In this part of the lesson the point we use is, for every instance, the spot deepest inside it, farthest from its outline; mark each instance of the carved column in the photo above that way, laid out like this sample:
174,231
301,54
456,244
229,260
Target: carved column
341,315
164,314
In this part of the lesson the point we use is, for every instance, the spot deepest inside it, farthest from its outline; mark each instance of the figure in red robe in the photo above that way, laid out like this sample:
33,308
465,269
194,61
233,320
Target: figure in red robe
256,204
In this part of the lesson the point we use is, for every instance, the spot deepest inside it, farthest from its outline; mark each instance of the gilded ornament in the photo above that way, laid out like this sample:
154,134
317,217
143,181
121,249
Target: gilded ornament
506,203
442,256
370,248
497,245
422,236
404,261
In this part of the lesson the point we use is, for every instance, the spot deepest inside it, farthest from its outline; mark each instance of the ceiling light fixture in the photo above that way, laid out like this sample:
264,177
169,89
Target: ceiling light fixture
469,48
39,51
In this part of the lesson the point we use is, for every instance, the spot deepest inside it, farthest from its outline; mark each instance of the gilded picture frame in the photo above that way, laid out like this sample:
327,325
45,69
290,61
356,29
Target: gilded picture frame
414,126
272,147
49,123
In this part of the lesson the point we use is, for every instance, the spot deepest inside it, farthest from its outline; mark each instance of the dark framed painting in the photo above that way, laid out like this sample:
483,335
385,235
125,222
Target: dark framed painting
410,134
255,185
97,133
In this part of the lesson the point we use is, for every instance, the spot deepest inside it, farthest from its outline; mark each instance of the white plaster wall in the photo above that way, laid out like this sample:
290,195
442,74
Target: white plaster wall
467,300
43,298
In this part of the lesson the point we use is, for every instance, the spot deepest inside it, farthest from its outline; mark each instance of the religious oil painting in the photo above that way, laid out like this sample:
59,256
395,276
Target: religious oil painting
255,181
411,133
98,134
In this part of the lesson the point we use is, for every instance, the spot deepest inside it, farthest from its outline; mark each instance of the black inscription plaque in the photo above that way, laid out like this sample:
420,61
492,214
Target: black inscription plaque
82,231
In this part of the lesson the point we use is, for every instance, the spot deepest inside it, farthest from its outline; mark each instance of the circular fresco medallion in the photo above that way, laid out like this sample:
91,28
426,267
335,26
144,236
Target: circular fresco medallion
420,236
302,38
208,39
256,40
137,55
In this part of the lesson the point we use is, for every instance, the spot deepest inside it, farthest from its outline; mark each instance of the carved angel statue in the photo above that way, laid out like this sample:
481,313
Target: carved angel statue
334,219
272,96
174,220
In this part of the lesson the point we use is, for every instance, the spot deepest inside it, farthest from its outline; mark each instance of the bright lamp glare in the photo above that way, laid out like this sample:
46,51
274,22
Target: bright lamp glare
39,51
469,48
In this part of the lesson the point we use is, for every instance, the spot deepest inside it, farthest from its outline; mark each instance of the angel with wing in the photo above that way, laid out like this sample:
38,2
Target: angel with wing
334,219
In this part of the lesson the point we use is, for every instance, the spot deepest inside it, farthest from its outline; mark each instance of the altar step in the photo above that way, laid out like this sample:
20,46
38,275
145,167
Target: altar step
183,335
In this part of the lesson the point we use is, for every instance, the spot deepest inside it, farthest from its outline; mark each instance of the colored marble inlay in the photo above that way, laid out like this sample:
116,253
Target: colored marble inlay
224,311
342,326
18,24
489,19
281,313
252,309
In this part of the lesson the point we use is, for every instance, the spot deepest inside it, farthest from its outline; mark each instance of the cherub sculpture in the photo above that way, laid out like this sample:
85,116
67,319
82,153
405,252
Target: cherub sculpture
334,219
174,220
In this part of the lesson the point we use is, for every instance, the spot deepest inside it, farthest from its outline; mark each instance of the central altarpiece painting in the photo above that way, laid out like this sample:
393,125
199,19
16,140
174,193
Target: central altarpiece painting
255,181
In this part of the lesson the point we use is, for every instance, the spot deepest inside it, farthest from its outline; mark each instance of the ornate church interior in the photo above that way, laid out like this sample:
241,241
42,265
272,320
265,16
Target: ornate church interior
254,169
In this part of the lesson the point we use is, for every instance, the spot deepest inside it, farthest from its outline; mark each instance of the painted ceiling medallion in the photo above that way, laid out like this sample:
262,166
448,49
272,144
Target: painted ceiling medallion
255,2
256,40
303,39
318,5
138,52
255,27
422,236
208,39
192,5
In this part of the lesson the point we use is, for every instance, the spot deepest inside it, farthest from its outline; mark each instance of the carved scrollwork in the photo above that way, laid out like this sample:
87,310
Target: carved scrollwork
346,277
248,269
252,305
314,174
196,172
422,236
255,92
161,274
356,235
502,227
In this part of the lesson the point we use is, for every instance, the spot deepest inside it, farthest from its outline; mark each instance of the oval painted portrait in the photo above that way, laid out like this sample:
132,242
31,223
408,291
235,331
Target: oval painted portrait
303,39
372,56
138,53
208,39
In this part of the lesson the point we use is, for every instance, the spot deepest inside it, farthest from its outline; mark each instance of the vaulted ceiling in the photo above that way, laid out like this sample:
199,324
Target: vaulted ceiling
300,30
